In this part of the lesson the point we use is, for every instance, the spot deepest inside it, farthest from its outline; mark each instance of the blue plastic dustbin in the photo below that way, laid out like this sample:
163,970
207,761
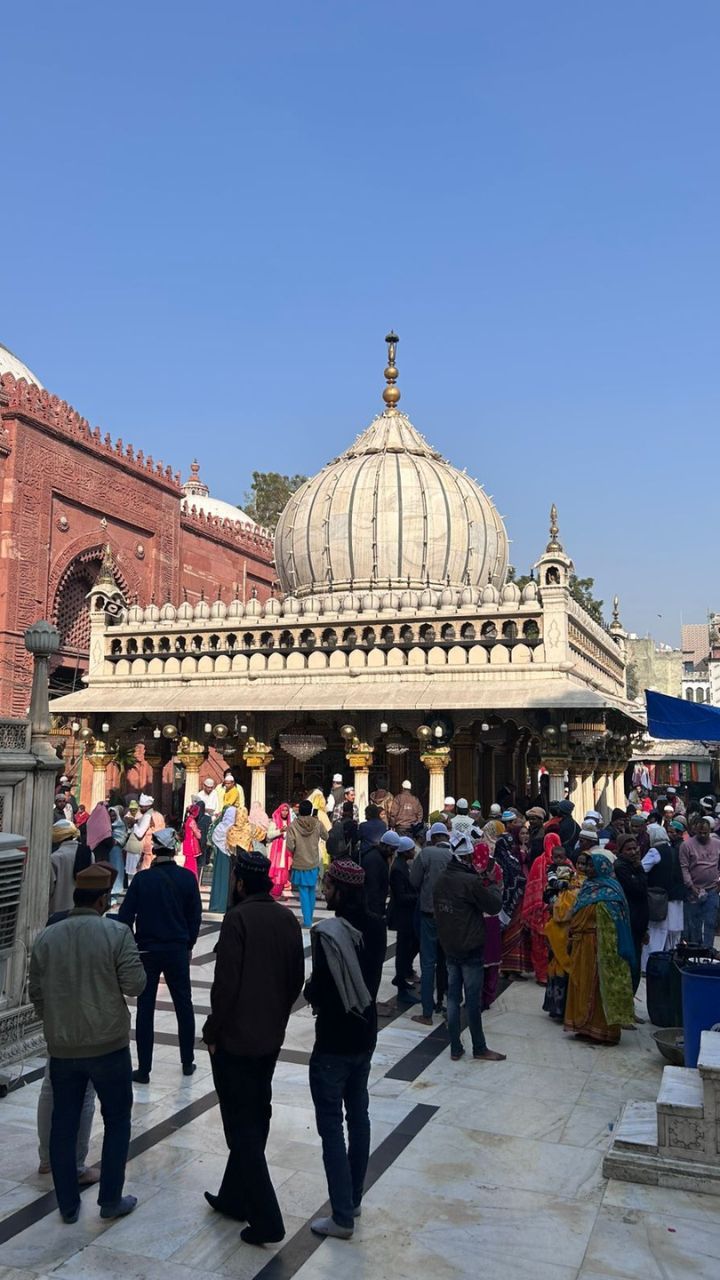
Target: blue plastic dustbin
701,1003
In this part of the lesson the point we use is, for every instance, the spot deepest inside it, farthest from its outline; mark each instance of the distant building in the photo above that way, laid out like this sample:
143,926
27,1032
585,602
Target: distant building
653,666
701,661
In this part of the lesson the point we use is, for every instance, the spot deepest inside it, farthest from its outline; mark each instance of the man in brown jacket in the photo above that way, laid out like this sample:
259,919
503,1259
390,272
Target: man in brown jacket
259,973
406,812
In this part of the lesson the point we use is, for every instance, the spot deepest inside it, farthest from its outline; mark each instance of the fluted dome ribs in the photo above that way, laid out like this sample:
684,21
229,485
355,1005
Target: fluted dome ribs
389,513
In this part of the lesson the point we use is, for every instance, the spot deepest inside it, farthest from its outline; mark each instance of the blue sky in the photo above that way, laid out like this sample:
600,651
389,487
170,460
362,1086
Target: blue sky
212,215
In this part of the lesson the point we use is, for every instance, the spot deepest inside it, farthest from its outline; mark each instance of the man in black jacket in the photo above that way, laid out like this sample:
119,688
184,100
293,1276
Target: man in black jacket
462,898
401,916
163,904
348,955
376,865
259,972
370,831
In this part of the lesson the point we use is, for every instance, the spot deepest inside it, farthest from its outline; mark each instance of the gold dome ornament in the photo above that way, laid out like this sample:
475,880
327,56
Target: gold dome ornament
391,394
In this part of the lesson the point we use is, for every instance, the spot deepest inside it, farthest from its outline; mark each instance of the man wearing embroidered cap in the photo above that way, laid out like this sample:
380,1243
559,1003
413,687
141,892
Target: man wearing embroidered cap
62,865
461,899
336,797
376,865
259,973
462,819
347,959
163,907
81,969
406,813
448,809
401,917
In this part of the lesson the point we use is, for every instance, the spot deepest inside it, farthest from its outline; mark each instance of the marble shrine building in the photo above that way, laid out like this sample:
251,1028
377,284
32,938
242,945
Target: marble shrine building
397,648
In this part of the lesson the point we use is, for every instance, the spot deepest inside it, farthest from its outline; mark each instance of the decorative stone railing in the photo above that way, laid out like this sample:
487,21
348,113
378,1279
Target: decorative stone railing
596,654
162,646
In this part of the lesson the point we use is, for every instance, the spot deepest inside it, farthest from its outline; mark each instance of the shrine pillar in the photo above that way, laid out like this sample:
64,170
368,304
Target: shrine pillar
436,761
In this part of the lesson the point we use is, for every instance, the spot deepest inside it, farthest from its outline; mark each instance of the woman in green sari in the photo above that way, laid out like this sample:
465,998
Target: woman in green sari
600,995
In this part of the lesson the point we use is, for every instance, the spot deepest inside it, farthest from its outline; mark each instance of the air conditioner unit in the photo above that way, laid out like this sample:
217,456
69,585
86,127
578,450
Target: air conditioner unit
13,852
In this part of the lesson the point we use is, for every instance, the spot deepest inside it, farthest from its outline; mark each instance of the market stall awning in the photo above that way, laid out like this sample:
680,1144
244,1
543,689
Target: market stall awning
677,718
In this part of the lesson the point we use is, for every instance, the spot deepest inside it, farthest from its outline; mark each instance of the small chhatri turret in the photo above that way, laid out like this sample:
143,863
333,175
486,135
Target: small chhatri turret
555,566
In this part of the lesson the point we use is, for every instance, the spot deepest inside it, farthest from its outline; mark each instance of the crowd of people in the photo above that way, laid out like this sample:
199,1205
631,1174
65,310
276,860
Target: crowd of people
520,893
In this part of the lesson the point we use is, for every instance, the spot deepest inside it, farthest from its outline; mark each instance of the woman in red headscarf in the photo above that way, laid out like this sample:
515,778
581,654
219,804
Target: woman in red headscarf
191,839
535,911
484,863
279,856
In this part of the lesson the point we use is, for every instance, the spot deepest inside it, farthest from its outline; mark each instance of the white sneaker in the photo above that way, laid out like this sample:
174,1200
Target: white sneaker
329,1227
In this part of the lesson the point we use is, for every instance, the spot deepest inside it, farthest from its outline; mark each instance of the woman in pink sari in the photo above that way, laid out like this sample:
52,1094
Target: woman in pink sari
191,839
279,856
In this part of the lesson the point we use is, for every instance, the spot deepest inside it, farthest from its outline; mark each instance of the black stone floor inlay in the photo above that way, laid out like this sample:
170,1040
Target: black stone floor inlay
303,1244
45,1204
293,1255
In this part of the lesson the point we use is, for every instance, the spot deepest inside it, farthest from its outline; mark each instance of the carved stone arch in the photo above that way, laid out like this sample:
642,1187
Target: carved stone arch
70,611
80,548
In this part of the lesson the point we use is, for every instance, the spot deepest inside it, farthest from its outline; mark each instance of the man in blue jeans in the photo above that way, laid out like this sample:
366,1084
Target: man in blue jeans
424,872
81,969
347,959
163,904
462,899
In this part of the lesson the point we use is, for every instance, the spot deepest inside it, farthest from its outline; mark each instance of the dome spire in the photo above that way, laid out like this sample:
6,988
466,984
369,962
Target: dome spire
391,394
554,544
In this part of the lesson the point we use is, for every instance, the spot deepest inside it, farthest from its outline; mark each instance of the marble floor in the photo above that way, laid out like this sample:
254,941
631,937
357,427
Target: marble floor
476,1167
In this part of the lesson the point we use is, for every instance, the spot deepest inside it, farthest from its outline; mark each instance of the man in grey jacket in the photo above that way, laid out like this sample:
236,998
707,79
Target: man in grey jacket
81,969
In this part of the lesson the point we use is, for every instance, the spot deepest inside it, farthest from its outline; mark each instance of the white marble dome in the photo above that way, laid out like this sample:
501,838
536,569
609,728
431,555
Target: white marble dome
10,364
389,513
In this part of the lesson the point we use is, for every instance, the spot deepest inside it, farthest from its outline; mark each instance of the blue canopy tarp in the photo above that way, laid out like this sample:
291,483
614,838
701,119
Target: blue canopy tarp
677,718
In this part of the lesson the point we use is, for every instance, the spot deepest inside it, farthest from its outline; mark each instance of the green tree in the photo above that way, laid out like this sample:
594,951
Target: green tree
581,589
633,684
269,494
520,582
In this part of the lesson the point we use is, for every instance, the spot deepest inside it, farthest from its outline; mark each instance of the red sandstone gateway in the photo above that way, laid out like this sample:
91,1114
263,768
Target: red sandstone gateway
68,491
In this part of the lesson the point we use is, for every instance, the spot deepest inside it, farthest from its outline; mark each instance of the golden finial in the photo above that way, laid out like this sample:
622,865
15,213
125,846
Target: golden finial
391,394
554,544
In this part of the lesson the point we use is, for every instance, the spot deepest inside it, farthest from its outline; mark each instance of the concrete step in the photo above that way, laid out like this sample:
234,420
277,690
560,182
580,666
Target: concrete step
681,1093
637,1128
709,1056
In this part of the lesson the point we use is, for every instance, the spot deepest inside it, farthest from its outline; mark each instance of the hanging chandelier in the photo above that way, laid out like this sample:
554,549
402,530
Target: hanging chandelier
395,744
302,746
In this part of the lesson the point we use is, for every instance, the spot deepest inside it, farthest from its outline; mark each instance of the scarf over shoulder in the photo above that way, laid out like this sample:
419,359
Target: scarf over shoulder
341,942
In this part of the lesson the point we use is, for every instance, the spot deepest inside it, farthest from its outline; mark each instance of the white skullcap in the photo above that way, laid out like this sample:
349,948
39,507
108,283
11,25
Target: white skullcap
407,786
495,810
450,800
145,800
210,780
337,777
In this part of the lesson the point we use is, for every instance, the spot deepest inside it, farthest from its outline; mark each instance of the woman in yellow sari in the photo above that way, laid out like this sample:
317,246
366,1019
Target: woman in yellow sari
562,900
601,949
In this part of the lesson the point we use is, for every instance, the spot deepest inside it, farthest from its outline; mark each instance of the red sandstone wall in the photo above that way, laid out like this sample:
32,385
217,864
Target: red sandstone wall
59,481
208,562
